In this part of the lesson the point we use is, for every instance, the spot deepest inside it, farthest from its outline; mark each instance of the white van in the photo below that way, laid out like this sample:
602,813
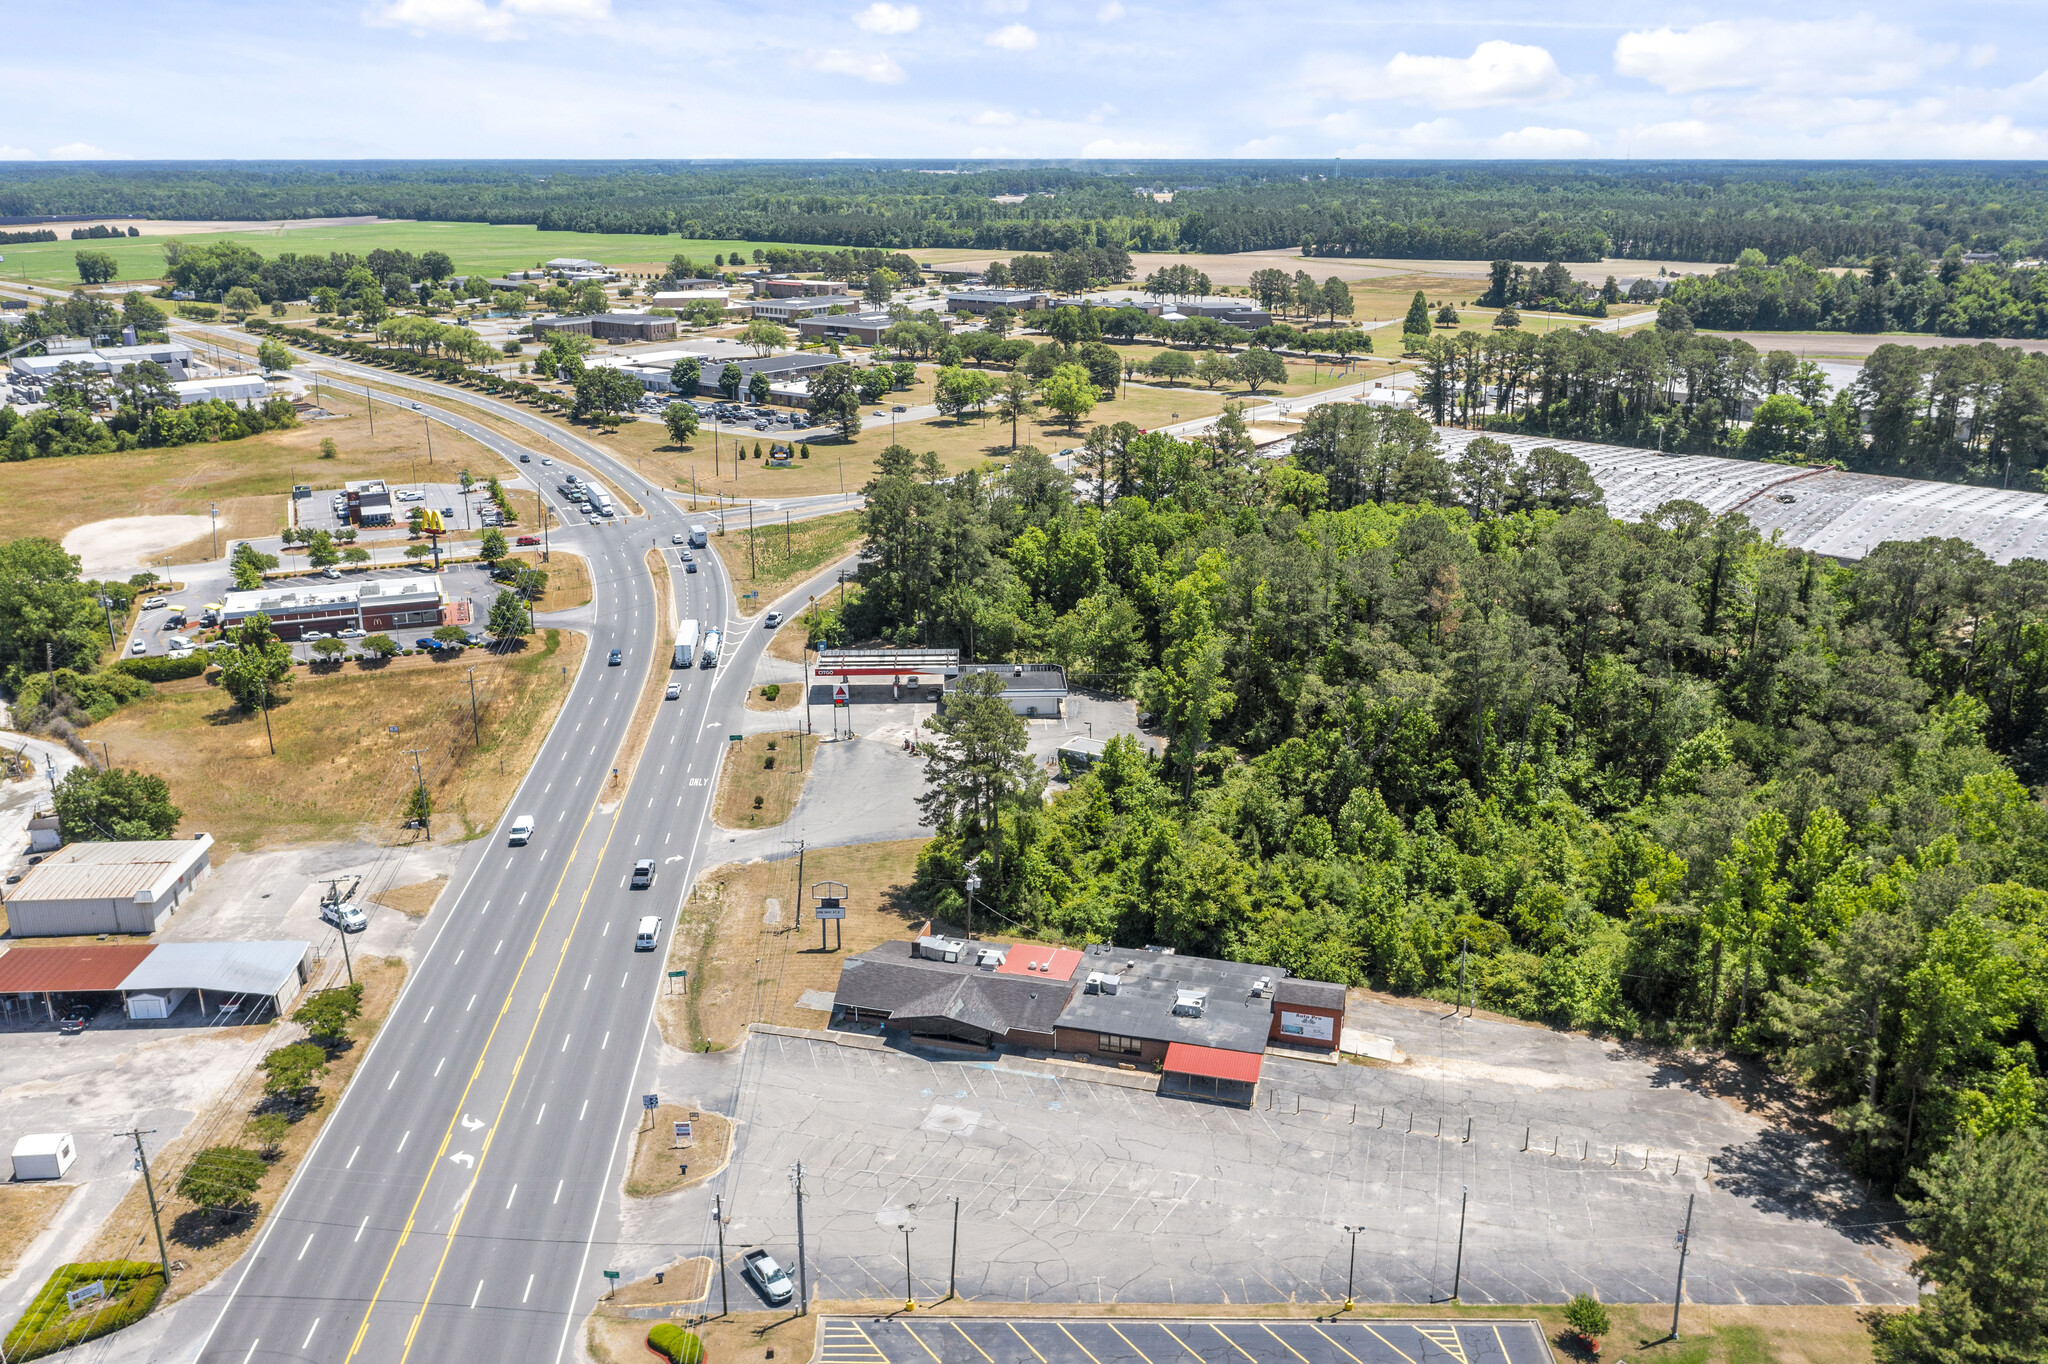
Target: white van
522,829
650,930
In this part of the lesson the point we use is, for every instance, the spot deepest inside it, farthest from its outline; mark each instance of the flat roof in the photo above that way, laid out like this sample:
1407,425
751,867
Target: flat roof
228,967
1311,994
110,870
94,966
1024,959
1233,1017
1183,1058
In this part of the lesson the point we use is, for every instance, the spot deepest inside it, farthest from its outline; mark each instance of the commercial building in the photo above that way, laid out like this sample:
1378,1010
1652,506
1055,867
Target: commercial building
224,982
683,298
374,605
866,328
611,326
112,887
798,308
1203,1025
369,502
174,356
1032,689
1237,312
800,288
988,300
228,388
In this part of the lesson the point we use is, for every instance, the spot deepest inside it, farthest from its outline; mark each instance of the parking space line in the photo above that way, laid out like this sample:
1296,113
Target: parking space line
1182,1343
928,1349
1027,1344
1283,1344
970,1340
1077,1344
1388,1343
1334,1341
1132,1343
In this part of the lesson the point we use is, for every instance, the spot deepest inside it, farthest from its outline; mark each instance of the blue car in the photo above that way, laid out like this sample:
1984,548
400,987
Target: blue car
427,642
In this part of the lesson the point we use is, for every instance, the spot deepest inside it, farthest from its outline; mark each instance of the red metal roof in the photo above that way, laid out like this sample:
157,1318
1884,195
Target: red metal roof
1183,1058
100,966
1025,958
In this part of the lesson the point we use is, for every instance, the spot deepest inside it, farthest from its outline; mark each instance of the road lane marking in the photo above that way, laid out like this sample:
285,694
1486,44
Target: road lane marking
529,1289
402,1141
558,1189
607,929
351,1159
306,1247
510,1196
437,1067
309,1335
581,1111
359,1231
430,1014
460,955
567,1035
486,909
606,1043
394,1080
252,1350
478,1294
542,1114
586,982
471,1005
499,948
623,979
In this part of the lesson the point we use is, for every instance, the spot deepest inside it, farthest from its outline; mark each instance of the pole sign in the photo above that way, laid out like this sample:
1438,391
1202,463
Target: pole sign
650,1102
682,1131
839,694
673,974
829,908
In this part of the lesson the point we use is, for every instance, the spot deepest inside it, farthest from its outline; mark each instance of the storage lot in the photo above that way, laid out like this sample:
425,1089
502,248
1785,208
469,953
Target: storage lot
1080,1191
1041,1340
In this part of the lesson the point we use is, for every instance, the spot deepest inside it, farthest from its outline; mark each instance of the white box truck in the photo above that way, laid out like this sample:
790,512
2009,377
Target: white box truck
711,640
44,1155
686,645
699,537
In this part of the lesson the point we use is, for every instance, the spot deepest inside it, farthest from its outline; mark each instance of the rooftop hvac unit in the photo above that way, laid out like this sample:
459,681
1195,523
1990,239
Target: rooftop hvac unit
940,949
991,957
1190,1003
1103,983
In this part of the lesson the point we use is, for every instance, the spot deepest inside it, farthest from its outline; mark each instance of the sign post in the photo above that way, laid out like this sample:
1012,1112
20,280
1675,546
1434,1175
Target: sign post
684,976
611,1282
830,907
683,1135
649,1102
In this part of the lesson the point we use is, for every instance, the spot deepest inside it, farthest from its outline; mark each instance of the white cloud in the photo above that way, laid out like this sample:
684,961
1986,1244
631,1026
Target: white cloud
1543,142
1497,72
991,152
16,154
1276,145
1113,148
1831,56
1982,55
479,18
1006,6
1015,38
1101,112
879,68
1689,135
78,151
1437,135
993,118
882,17
1109,13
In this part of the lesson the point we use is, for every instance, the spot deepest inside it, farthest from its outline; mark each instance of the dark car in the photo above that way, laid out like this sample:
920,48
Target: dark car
618,657
75,1018
690,566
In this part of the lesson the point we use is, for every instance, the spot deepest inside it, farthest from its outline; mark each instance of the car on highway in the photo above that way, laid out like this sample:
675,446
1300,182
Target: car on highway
676,539
545,460
769,1277
345,917
689,565
643,873
618,657
675,689
525,458
415,407
685,555
771,620
527,540
521,831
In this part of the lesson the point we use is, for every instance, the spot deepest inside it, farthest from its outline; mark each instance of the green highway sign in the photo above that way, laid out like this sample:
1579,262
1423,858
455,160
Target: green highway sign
732,738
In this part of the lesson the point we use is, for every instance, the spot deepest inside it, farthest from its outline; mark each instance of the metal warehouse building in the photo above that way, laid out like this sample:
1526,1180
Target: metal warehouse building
242,982
88,888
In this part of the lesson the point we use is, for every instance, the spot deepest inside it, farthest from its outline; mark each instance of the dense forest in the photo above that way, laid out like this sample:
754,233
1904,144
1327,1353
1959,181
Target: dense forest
1665,779
1707,211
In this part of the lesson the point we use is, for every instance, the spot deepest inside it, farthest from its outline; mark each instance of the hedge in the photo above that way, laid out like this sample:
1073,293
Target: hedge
680,1346
166,669
47,1326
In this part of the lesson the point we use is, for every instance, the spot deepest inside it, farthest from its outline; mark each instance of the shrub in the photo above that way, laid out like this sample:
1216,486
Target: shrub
161,669
771,691
680,1346
132,1289
221,1179
1585,1315
268,1131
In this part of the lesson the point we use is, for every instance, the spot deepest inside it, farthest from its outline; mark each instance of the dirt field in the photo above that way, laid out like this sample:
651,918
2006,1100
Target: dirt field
250,479
339,772
25,1209
568,578
659,1164
199,1241
416,900
743,969
773,558
762,778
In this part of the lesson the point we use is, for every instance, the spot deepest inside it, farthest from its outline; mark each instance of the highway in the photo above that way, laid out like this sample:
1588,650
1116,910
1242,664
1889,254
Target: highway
448,1209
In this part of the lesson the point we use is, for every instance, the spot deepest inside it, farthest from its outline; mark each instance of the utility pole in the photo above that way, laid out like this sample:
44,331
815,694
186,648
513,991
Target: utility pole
1684,1244
213,510
371,404
953,1269
149,1188
750,540
718,1218
335,897
475,732
973,884
800,845
420,783
1458,1267
268,737
803,1291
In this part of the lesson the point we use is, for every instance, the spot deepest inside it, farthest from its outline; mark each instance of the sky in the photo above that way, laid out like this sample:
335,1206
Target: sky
1358,79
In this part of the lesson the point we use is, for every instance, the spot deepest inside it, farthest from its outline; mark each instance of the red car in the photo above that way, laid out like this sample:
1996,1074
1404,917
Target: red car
529,540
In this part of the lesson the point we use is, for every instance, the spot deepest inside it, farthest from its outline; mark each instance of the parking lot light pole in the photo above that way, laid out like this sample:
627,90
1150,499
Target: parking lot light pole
909,1300
1684,1244
718,1220
1351,1273
953,1269
1458,1266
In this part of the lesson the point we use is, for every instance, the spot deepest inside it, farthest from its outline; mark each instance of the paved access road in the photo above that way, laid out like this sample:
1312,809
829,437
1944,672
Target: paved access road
447,1210
1101,1340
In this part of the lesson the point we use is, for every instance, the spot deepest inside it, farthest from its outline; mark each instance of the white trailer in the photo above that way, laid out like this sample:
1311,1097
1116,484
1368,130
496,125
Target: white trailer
711,642
44,1155
686,645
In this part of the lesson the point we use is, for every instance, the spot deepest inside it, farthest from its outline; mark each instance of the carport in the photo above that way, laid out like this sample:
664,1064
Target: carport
29,973
1210,1073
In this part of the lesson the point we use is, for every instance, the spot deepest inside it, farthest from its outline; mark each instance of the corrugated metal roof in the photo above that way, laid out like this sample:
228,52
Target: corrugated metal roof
109,871
96,966
229,967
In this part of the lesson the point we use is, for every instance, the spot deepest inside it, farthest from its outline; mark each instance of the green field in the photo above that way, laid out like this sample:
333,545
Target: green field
476,248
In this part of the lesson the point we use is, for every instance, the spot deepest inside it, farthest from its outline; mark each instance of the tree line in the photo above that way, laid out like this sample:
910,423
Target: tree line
1948,295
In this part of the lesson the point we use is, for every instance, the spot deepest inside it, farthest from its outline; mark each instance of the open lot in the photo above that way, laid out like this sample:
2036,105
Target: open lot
1082,1191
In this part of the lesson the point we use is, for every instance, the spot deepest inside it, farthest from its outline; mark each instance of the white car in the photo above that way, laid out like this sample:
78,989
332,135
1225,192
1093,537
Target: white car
771,620
675,539
521,831
140,646
330,572
544,459
179,642
675,689
345,917
159,603
311,635
356,633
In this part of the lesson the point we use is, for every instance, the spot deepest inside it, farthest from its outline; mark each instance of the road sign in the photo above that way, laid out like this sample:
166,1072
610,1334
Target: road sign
612,1274
682,1131
673,974
650,1101
732,738
839,693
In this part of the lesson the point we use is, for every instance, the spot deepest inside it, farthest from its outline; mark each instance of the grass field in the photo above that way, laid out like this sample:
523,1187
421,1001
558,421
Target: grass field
762,778
249,479
568,578
339,771
476,248
745,970
773,558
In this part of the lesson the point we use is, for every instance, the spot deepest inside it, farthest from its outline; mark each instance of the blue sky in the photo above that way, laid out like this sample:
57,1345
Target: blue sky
1022,78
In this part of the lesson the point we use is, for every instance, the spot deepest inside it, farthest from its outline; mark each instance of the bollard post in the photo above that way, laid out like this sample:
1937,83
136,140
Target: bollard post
1468,1131
1525,1138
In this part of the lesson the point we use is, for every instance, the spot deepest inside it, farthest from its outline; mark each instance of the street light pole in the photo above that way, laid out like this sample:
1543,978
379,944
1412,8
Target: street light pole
909,1299
1684,1245
718,1218
1458,1269
1351,1273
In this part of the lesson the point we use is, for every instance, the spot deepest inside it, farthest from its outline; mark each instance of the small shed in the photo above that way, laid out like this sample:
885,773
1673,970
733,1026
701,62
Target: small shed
44,1155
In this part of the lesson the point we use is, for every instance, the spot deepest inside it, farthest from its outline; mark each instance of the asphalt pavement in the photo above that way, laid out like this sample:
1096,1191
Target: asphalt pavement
1082,1340
448,1208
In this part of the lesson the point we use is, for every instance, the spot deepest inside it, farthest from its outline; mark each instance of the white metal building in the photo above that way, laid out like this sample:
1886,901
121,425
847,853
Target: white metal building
234,973
112,887
233,388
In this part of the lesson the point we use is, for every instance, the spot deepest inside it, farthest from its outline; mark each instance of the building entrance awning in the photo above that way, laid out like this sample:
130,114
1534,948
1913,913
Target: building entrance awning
1184,1058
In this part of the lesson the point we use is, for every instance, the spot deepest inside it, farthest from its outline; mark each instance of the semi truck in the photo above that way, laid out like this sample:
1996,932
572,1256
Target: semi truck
699,537
686,645
711,640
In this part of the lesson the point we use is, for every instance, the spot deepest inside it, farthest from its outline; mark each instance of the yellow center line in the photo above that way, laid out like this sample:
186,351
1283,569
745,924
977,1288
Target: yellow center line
1333,1340
511,1084
1128,1341
1389,1344
1027,1344
412,1215
1237,1347
977,1349
1083,1348
920,1343
1283,1344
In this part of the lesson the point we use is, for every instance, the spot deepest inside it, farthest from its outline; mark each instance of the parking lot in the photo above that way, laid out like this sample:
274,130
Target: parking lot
1081,1340
1075,1190
461,511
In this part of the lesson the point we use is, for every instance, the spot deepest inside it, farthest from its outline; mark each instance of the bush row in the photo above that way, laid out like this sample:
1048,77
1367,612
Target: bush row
412,362
47,1326
678,1345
